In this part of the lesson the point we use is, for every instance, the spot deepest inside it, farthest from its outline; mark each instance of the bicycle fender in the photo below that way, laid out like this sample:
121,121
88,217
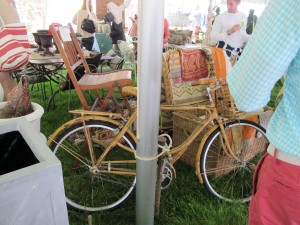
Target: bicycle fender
199,152
85,118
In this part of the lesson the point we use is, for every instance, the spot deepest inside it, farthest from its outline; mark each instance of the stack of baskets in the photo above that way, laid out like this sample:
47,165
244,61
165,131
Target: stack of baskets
184,123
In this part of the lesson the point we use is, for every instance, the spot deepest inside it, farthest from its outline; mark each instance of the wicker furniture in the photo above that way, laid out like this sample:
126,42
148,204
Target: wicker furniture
184,123
177,92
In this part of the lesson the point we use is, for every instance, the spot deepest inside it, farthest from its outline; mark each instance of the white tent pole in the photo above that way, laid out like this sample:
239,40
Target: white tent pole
150,38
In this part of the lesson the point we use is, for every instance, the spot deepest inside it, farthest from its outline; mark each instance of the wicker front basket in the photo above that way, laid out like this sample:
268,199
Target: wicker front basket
225,104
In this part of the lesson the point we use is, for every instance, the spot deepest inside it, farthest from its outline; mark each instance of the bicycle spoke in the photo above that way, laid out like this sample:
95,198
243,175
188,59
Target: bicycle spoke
228,174
88,187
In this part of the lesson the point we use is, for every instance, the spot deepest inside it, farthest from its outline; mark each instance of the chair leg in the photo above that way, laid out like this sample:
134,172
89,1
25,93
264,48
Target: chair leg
82,99
105,101
116,104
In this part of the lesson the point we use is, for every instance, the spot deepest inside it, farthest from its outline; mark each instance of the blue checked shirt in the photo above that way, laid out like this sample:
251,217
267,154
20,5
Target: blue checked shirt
273,51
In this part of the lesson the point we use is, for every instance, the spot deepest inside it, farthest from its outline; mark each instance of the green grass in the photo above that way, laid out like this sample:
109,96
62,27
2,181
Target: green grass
185,202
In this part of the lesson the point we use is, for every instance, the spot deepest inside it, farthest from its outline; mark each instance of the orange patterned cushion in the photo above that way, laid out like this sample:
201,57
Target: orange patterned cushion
194,65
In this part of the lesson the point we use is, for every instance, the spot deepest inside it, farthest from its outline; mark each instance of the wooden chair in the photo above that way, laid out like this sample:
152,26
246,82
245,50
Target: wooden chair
73,56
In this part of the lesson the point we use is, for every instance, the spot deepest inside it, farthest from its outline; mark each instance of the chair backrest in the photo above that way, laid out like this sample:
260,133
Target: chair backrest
70,50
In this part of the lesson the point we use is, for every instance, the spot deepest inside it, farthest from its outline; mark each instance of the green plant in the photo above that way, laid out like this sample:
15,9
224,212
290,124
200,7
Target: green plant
276,96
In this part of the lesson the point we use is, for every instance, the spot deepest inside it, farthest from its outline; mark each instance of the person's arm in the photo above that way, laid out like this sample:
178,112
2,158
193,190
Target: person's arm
8,13
117,31
74,20
166,31
273,45
216,32
95,23
125,4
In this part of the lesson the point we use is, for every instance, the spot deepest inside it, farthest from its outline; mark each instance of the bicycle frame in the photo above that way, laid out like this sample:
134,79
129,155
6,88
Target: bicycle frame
100,148
124,127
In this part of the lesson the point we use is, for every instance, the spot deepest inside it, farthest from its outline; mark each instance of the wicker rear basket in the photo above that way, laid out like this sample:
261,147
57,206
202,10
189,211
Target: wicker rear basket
225,104
184,123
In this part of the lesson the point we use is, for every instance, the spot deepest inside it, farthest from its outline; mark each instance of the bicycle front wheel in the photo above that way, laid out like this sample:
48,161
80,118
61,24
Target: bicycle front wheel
88,188
229,176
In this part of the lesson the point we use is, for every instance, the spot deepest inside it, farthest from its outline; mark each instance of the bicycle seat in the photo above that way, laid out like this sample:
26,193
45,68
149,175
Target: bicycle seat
129,90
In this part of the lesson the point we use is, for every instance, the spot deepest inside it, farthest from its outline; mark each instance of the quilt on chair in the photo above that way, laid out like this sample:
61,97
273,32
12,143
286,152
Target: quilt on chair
180,92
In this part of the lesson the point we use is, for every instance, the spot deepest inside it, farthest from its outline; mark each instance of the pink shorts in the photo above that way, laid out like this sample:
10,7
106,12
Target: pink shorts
276,193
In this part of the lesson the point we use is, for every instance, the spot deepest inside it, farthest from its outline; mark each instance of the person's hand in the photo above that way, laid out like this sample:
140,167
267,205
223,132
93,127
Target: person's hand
107,35
233,29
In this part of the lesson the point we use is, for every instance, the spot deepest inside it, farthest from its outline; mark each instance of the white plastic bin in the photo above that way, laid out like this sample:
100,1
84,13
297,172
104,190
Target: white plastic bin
31,182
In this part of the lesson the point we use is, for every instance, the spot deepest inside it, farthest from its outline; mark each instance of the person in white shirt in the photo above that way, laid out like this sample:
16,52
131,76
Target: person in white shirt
229,29
87,38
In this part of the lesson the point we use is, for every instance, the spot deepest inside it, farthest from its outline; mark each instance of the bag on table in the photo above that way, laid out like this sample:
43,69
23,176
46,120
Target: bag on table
14,46
18,100
88,25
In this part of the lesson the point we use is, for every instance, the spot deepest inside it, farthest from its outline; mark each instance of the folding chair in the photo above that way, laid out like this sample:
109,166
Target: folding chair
73,56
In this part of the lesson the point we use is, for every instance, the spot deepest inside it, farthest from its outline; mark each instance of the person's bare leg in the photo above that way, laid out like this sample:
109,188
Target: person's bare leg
7,83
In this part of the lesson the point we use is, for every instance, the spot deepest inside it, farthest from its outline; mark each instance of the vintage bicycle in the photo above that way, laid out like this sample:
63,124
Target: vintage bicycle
97,152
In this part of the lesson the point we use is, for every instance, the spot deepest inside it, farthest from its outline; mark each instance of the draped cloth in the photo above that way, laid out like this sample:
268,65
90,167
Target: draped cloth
176,91
174,66
219,62
194,65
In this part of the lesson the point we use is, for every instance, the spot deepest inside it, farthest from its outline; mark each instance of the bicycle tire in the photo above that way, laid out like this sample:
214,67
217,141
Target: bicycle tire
225,177
85,189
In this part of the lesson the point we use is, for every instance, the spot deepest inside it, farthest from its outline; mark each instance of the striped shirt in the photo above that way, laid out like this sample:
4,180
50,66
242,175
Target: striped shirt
273,51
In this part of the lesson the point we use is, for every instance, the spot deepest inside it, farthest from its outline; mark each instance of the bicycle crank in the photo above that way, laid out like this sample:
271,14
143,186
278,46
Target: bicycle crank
168,175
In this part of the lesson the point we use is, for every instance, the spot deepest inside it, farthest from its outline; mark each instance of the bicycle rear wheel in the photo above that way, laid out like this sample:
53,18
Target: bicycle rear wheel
230,178
94,189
